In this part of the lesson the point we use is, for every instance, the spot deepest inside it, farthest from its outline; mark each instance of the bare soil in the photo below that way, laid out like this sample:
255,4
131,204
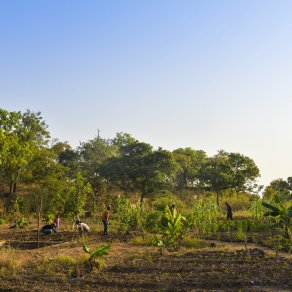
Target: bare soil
139,268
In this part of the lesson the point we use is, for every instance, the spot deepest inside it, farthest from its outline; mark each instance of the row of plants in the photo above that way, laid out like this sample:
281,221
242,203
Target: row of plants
271,222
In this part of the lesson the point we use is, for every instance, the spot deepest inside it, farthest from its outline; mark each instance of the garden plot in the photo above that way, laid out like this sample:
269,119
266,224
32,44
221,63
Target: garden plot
131,267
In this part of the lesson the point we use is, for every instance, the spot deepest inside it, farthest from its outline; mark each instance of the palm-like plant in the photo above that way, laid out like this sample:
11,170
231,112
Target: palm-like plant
172,231
281,213
96,253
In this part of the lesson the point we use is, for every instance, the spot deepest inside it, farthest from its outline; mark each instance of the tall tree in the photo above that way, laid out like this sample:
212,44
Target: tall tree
190,162
141,169
92,155
217,174
24,134
244,172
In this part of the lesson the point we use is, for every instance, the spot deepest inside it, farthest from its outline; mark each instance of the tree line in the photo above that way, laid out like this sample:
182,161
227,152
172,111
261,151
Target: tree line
61,179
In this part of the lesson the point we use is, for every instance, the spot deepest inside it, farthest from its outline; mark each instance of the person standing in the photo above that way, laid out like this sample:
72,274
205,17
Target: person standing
229,211
105,217
57,222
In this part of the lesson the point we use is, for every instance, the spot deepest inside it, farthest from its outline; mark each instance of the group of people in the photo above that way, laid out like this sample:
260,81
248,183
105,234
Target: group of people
84,228
81,226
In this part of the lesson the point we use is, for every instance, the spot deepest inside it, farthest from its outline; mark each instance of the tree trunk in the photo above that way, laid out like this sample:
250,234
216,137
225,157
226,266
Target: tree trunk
14,187
39,219
10,188
142,198
217,197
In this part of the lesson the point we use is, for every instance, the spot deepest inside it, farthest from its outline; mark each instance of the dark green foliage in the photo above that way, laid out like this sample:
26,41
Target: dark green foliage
139,168
281,214
281,188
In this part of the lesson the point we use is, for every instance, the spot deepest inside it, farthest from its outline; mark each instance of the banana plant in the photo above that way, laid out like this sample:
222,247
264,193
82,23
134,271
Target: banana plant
96,253
172,231
281,213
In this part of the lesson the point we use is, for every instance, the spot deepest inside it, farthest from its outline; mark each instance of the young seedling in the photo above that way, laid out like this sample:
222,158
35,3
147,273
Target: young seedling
96,254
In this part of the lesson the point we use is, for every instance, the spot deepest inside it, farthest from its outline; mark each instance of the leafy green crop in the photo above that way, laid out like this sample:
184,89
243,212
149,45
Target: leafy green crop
173,230
280,213
96,253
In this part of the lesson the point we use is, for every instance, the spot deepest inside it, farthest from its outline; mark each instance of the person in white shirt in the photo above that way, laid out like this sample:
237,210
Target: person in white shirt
82,227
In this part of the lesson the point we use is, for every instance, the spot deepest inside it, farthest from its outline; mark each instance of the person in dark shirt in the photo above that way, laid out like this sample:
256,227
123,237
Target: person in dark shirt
49,228
229,211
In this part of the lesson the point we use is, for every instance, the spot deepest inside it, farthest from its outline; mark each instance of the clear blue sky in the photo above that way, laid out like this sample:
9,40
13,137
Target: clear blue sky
203,74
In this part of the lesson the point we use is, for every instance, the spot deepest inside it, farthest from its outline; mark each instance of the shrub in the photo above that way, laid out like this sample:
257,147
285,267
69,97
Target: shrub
22,223
152,221
2,221
162,202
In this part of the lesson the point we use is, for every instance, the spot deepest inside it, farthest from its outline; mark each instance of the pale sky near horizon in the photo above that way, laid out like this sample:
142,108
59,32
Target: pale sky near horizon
203,74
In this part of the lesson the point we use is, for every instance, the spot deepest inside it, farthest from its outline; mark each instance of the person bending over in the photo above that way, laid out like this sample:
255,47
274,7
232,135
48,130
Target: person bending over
82,227
49,228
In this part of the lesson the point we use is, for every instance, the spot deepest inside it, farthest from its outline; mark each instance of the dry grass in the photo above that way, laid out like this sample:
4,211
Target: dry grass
10,263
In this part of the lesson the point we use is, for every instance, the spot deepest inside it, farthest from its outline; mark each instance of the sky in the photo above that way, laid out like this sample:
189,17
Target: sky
205,74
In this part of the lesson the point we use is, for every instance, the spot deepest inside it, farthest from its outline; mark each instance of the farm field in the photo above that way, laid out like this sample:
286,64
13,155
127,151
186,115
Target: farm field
57,265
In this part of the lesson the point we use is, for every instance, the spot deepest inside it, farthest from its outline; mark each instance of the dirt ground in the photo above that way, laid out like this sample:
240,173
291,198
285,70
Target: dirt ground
132,267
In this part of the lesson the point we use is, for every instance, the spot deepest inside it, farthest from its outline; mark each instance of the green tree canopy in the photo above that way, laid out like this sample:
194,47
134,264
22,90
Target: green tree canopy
22,134
280,188
141,169
190,162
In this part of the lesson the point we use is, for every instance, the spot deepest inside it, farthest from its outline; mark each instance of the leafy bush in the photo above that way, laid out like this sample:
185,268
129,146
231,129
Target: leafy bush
162,202
281,214
22,223
279,243
152,221
129,217
2,221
